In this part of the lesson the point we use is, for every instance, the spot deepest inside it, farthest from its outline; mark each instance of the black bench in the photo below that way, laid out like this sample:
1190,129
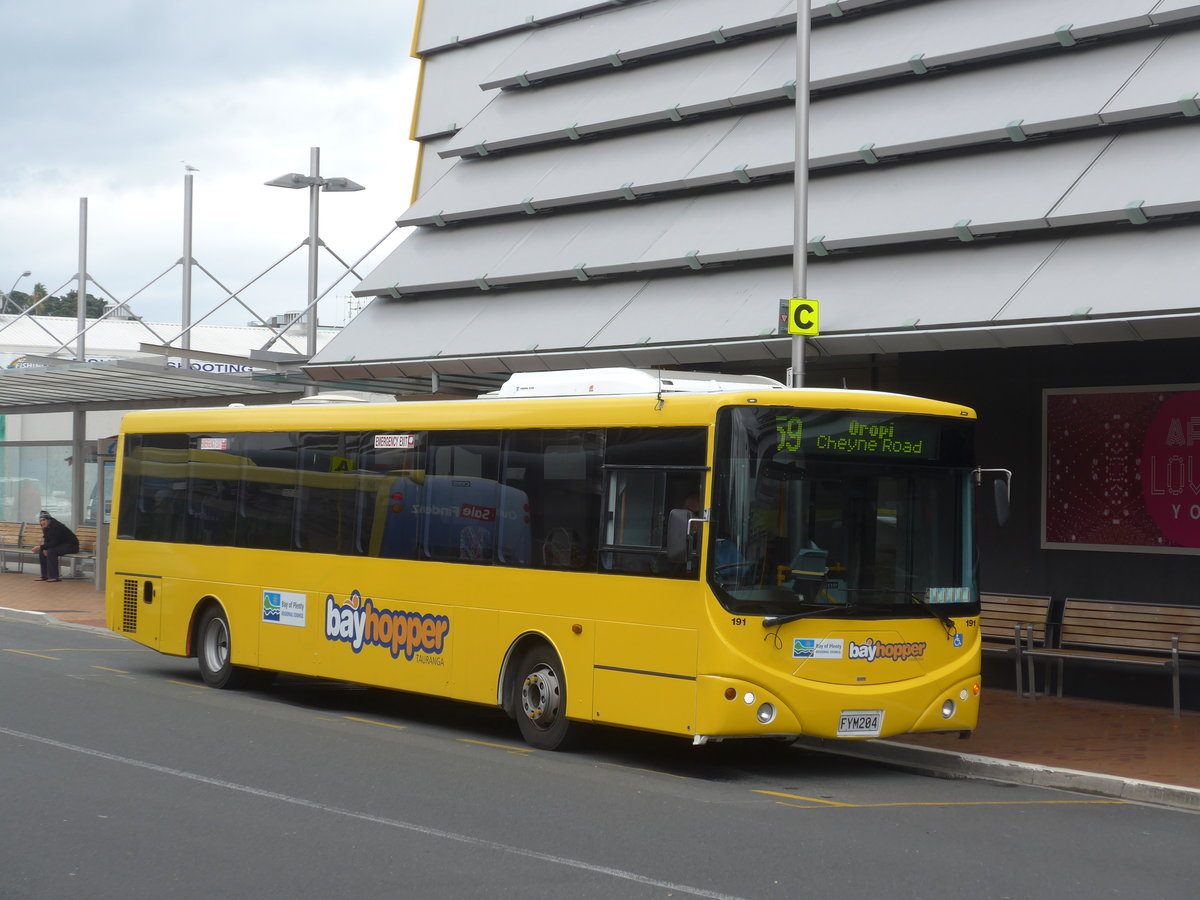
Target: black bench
1145,635
1010,625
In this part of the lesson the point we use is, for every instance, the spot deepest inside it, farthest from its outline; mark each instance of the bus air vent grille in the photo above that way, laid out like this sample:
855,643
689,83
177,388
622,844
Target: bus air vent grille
129,617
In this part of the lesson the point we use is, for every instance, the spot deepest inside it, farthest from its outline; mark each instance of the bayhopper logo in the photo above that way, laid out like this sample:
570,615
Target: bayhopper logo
360,624
871,650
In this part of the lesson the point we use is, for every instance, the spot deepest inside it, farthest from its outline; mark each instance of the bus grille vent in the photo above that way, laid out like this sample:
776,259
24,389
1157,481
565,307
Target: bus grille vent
129,617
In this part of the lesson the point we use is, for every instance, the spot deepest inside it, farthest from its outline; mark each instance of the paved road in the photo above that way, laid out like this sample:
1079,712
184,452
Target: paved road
125,777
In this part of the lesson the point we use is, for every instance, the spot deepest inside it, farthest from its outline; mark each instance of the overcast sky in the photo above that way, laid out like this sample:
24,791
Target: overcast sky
106,100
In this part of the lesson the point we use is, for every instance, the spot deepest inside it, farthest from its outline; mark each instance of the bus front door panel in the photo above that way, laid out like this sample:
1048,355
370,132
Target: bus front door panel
659,696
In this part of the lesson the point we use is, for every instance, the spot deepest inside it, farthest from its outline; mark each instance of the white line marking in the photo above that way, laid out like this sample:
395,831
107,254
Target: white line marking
378,820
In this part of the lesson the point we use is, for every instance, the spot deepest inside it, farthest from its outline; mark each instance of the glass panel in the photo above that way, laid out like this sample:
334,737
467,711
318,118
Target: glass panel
213,485
268,490
461,499
391,472
876,518
559,474
154,487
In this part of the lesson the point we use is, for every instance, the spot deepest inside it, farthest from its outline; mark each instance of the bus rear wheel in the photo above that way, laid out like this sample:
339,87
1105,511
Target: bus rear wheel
540,700
213,653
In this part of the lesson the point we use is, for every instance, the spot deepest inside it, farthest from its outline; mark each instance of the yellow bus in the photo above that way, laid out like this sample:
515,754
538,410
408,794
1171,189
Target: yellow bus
708,556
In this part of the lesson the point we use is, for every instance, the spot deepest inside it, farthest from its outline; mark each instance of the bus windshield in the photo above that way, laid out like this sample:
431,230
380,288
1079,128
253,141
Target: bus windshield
854,514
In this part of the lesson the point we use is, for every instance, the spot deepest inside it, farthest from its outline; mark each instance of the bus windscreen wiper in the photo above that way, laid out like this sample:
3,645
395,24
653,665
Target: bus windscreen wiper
946,621
812,609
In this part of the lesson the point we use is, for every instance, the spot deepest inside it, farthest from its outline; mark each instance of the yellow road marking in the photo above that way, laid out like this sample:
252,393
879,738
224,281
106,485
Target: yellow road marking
28,653
107,669
988,803
97,650
819,802
647,771
816,800
507,747
189,684
373,722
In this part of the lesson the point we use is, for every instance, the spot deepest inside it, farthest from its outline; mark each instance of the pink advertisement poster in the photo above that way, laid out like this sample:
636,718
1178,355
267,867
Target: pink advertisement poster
1122,469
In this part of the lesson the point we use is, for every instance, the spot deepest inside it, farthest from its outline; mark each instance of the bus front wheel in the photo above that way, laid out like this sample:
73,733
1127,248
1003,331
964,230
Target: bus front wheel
540,700
212,652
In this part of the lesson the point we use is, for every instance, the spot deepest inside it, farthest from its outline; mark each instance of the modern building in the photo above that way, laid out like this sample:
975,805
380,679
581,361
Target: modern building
1001,214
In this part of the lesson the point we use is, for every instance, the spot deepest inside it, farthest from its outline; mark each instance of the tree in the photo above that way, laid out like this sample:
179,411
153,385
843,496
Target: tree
66,305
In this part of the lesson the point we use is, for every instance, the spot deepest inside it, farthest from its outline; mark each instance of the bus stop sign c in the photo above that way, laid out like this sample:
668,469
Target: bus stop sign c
803,317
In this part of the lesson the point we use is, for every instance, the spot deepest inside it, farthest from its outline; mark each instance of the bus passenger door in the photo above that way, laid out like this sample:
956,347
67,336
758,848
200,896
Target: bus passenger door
646,644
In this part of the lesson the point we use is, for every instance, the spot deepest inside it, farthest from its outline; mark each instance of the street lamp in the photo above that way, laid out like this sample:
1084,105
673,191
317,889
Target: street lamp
8,295
314,182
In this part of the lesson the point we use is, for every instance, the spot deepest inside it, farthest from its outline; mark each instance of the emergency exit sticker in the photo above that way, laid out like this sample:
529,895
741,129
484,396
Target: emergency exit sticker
395,441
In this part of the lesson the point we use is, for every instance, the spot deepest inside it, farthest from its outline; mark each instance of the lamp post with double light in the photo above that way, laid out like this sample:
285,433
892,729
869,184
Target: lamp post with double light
315,183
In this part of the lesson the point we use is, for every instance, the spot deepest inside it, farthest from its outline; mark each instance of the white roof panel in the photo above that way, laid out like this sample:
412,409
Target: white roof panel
759,70
1012,189
394,328
1175,11
1156,88
450,96
431,167
950,32
1135,272
1151,168
692,154
927,114
635,33
688,85
896,119
712,306
1087,288
447,23
967,283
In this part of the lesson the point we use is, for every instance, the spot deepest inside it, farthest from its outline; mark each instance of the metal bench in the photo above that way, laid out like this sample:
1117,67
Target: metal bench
1145,635
1011,625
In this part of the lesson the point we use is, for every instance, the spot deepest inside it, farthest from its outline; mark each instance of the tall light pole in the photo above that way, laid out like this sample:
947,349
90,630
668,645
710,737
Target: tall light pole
315,183
186,305
800,238
8,295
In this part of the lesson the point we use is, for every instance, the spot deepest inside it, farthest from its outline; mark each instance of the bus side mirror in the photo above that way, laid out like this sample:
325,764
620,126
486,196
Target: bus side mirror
1001,489
681,538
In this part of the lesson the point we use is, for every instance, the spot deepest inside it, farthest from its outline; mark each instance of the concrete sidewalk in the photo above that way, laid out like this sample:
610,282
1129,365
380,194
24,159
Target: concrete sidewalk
1139,753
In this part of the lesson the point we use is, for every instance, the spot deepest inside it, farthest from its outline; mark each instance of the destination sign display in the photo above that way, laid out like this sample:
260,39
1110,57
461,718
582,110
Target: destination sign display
857,435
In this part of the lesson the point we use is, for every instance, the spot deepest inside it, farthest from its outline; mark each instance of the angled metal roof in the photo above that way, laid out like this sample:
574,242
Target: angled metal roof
1074,290
128,385
984,175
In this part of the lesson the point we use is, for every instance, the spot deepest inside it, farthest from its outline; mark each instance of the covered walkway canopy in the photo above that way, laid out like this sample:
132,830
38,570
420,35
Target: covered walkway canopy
121,384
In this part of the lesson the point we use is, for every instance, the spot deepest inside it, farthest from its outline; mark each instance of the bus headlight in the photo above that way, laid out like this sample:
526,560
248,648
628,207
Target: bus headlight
947,709
766,713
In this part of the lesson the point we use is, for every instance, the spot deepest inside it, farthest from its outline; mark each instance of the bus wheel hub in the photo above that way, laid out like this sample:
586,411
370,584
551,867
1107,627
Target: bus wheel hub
540,696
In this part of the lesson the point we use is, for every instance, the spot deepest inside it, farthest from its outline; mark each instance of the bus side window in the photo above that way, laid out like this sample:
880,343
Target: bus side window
391,480
649,472
462,499
557,473
327,500
154,487
267,500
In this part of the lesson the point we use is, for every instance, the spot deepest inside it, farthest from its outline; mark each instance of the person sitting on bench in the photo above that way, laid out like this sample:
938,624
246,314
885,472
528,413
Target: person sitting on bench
57,540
